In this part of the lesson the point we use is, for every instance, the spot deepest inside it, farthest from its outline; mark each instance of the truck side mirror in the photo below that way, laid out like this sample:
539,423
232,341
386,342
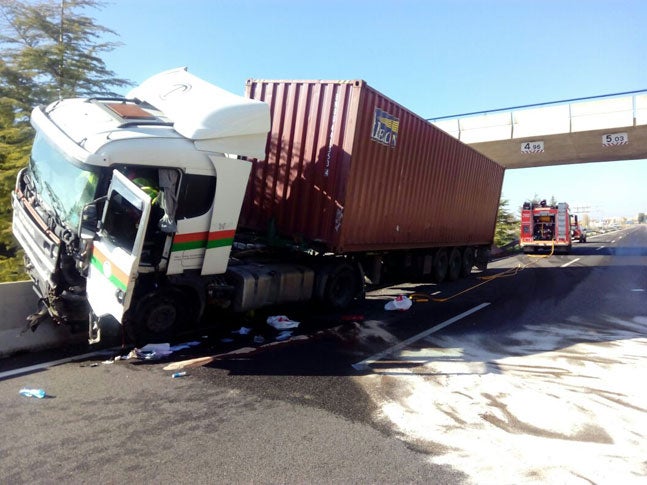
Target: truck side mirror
89,218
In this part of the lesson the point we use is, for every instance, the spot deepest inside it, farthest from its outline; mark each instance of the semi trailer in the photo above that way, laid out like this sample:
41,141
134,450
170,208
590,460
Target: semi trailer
142,211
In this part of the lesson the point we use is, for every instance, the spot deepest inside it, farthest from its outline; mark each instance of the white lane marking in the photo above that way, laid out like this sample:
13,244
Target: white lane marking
601,247
570,262
374,358
52,363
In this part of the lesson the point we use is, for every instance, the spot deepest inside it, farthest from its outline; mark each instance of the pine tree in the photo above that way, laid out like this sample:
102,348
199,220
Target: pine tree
507,225
49,49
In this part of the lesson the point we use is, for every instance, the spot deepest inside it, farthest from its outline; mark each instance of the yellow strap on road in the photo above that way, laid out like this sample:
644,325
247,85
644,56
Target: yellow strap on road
541,256
510,272
485,279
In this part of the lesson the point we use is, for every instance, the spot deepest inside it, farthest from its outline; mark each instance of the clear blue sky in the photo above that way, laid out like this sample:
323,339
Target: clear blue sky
436,57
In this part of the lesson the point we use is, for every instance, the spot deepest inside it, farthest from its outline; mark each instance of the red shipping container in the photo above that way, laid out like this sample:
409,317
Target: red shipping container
354,171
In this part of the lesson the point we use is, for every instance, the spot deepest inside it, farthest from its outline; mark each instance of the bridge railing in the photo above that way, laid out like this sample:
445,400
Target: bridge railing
568,116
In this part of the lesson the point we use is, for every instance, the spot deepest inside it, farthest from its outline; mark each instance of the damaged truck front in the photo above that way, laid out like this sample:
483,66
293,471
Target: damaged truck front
96,208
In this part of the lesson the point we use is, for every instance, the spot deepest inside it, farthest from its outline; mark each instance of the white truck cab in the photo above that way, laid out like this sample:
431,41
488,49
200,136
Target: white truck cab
135,199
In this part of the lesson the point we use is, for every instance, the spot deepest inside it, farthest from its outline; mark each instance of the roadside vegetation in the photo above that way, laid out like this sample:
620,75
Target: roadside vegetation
49,49
506,232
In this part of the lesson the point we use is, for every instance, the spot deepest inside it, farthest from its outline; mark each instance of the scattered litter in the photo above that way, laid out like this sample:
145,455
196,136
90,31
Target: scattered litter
183,346
242,331
226,340
108,362
39,393
420,297
284,335
400,303
281,322
259,339
178,374
153,351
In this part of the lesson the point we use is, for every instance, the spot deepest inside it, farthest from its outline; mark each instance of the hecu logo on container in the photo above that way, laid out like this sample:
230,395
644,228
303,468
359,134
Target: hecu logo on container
385,128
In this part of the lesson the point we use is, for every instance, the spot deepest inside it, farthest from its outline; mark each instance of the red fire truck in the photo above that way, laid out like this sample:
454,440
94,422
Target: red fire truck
548,227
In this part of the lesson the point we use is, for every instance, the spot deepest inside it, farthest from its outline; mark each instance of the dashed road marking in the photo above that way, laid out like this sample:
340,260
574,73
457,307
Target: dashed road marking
364,364
52,363
570,262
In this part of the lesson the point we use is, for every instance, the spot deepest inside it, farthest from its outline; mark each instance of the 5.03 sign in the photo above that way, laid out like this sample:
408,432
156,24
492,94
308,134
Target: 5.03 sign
614,139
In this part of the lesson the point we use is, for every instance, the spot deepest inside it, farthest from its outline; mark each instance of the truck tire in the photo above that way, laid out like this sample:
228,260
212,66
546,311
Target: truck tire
455,264
342,286
440,265
467,262
156,317
482,257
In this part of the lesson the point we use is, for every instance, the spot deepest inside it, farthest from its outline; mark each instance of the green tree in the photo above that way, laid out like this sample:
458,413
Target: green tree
49,49
507,225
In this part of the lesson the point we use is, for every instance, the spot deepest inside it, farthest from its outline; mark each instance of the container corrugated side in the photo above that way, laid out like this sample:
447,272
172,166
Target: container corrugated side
427,189
332,176
299,187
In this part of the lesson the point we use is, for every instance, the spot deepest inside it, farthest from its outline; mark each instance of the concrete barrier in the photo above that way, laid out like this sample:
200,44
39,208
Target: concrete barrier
17,301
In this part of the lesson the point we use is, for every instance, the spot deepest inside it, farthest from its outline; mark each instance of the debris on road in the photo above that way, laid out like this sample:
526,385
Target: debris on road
281,322
399,303
38,393
284,335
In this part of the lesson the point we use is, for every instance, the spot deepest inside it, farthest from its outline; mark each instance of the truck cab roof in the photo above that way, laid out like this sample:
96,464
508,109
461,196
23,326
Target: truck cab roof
180,111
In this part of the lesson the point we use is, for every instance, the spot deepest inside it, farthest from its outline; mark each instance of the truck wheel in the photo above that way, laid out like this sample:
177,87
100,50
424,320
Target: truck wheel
454,265
440,265
156,317
467,262
342,286
482,258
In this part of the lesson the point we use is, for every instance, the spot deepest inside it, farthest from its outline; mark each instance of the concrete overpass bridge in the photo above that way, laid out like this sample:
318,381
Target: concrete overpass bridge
595,129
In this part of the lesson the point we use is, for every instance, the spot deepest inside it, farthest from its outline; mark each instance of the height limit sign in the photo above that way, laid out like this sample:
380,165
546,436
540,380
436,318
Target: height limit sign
532,147
614,139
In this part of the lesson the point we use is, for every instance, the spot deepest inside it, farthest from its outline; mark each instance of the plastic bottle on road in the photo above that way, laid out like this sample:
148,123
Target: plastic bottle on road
39,393
178,374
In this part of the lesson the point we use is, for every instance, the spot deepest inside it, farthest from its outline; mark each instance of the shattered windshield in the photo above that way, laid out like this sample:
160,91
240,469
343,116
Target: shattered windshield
62,186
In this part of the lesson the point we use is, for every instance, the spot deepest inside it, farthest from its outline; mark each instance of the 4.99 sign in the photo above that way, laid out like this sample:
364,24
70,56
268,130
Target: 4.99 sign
532,147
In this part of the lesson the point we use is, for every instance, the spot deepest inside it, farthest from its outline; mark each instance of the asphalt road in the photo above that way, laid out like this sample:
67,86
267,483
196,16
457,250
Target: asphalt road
532,371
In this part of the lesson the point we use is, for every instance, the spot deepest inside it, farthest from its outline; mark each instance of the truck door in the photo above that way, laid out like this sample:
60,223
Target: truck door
117,248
